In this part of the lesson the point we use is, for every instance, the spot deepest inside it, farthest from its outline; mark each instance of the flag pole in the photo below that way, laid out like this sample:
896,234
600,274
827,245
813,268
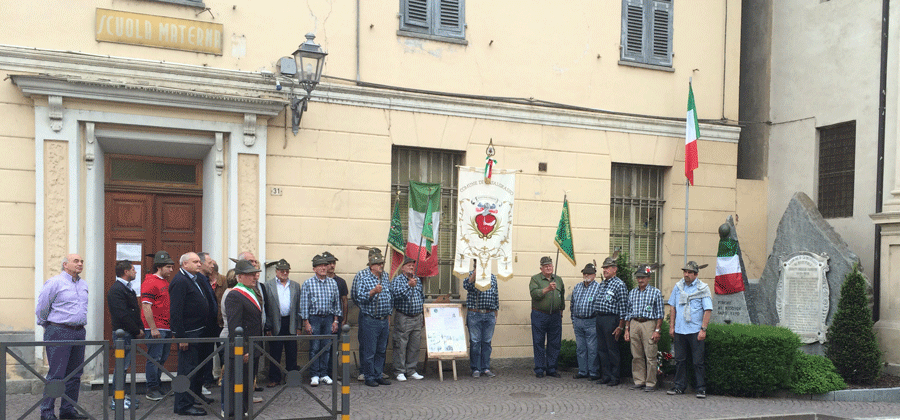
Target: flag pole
687,195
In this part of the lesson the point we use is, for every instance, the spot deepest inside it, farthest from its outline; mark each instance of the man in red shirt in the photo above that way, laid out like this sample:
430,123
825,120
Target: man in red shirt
155,315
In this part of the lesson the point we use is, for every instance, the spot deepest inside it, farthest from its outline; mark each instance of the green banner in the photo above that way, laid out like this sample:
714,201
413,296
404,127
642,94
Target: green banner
564,234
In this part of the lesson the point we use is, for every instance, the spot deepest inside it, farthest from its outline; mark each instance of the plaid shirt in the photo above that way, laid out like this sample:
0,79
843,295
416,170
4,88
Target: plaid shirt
376,306
583,298
319,297
612,297
646,304
407,299
476,299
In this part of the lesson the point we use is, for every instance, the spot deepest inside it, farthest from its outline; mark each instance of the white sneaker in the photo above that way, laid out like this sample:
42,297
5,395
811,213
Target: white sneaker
401,378
314,381
326,380
361,377
206,391
416,376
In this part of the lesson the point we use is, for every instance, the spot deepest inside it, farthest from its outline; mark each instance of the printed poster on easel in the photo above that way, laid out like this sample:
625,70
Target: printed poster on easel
445,331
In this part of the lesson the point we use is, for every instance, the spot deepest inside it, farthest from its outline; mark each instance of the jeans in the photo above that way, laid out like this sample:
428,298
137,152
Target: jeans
160,353
373,335
63,361
546,335
321,325
608,347
586,346
685,344
481,329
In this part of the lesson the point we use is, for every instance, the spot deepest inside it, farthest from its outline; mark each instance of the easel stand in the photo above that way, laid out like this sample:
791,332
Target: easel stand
440,369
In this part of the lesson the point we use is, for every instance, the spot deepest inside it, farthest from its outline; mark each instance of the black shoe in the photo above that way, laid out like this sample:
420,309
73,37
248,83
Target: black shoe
207,399
73,415
154,395
539,374
371,382
596,378
701,394
637,387
193,411
579,376
613,383
603,381
675,391
51,417
382,381
554,374
258,389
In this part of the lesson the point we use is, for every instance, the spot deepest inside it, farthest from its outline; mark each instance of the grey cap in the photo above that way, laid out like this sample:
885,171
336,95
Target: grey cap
162,257
589,269
282,264
407,260
319,260
244,267
331,258
692,266
375,256
546,260
643,270
609,262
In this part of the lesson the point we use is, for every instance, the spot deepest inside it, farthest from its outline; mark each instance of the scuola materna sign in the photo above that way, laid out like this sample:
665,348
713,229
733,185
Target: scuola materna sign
158,31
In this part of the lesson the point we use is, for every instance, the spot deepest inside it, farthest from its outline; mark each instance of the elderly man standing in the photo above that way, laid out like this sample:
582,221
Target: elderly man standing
481,318
612,307
691,303
62,311
644,320
374,299
193,308
406,290
242,309
284,300
584,295
320,307
547,304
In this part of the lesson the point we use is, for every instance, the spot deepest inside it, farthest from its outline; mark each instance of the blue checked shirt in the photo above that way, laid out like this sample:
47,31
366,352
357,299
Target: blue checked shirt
583,298
612,297
407,299
476,299
646,304
376,306
319,297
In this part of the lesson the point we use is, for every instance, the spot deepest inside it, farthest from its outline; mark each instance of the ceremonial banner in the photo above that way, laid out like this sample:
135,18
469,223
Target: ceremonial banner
395,240
424,225
563,238
484,224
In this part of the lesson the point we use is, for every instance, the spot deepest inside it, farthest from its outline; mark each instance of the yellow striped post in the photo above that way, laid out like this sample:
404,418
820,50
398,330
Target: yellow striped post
345,364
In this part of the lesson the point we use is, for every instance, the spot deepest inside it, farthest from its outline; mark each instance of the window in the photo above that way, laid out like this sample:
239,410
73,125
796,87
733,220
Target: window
647,32
635,210
837,154
437,19
434,166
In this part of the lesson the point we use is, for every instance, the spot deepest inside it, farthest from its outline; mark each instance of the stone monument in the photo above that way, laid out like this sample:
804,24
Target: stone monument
803,231
730,300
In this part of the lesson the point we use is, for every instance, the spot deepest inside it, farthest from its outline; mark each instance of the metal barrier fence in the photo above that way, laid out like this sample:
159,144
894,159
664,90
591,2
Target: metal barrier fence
233,392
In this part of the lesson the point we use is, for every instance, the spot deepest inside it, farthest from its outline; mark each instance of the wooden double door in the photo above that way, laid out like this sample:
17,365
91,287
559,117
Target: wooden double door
138,224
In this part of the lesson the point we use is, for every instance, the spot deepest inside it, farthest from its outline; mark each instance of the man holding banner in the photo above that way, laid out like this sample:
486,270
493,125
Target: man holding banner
547,304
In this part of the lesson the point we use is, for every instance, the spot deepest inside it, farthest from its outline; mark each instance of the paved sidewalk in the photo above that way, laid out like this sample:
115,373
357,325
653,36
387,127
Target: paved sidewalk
511,395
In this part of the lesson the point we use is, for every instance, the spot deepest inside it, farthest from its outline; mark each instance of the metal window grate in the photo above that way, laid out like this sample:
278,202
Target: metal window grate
635,212
435,166
837,154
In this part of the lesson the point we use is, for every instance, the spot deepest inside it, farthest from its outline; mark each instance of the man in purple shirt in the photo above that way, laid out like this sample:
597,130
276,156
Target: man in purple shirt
62,311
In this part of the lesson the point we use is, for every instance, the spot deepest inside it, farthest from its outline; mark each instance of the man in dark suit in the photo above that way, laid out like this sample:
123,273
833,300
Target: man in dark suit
124,312
283,300
193,310
243,309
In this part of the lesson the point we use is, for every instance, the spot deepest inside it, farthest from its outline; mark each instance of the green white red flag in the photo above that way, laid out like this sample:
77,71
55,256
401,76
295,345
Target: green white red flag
395,239
728,268
692,133
424,225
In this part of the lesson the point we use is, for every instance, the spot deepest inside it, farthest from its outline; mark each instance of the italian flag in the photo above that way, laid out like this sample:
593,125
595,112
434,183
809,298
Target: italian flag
424,224
692,132
728,268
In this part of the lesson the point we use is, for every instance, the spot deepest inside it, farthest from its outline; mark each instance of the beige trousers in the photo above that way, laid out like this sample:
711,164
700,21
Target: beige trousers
643,365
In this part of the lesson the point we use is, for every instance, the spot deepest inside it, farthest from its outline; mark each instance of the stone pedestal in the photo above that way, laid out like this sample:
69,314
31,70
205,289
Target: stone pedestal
887,329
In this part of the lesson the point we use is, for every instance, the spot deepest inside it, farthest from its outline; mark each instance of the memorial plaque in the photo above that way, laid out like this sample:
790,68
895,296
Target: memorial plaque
729,309
802,296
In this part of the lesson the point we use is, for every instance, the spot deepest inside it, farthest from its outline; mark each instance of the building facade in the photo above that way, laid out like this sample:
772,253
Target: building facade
160,125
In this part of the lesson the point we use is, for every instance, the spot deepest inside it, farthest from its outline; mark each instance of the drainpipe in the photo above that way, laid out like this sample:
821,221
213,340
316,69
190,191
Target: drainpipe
879,182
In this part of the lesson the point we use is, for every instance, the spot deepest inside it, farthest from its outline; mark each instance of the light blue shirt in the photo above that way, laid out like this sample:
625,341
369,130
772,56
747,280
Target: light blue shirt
698,306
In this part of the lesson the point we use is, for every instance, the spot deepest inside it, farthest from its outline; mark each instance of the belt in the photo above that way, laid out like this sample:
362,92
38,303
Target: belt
545,312
643,319
586,317
481,311
71,327
321,315
376,317
411,316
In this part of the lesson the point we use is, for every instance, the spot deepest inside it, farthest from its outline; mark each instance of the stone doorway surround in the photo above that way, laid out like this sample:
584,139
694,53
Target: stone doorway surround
113,96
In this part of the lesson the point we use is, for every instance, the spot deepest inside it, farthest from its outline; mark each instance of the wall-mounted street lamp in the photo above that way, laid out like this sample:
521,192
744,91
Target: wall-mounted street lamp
306,70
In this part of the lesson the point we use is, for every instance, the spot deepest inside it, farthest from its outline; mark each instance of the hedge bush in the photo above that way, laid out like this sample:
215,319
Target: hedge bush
815,374
749,360
567,356
851,341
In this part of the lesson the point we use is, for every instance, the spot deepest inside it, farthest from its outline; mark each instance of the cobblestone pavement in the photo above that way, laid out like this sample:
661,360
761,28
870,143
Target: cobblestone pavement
511,395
